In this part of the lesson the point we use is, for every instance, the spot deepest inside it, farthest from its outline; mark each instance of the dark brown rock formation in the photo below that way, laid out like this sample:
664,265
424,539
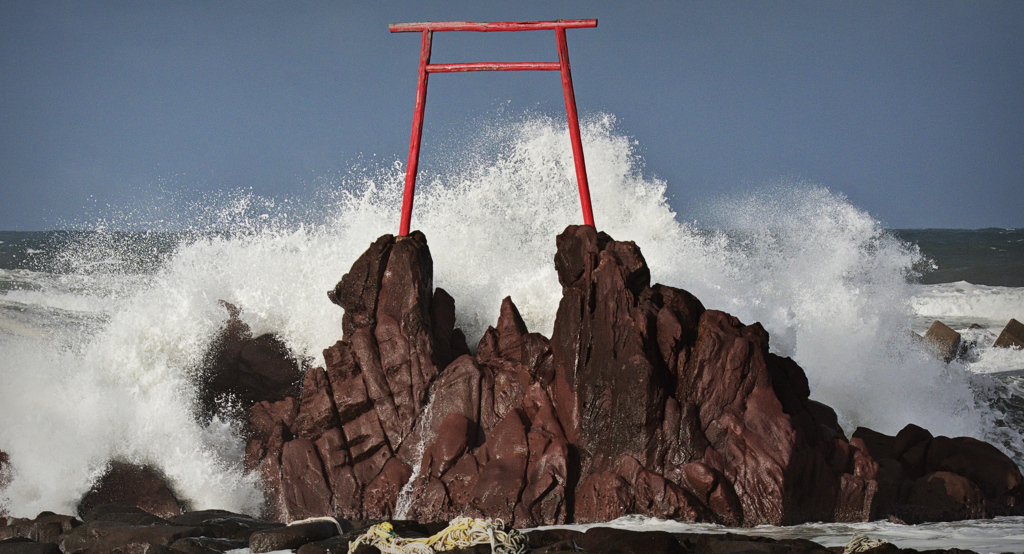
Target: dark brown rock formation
642,402
240,370
132,485
925,478
342,447
653,385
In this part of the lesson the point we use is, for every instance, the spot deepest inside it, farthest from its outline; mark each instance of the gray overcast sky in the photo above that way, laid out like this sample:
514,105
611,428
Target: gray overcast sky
914,110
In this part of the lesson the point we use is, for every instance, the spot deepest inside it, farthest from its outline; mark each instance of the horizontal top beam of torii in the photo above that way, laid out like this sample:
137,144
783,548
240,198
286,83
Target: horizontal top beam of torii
492,26
427,28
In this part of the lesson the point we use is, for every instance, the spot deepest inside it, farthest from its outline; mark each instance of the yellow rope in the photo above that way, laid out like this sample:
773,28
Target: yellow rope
462,532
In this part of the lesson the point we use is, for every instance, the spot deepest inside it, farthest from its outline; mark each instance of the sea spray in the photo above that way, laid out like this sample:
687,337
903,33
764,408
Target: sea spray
403,503
113,377
830,285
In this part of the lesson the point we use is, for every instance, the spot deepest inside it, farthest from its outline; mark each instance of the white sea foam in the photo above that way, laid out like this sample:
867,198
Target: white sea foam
960,304
1002,534
821,275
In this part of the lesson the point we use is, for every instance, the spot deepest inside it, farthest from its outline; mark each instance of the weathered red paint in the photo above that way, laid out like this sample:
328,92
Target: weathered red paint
574,127
492,26
562,65
493,66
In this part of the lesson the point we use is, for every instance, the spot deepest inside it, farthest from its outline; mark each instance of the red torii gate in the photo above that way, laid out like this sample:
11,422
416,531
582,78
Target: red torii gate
428,28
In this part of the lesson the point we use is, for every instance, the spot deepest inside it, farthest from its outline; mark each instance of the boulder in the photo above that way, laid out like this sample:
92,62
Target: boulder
1012,335
28,547
381,494
942,496
123,515
926,478
609,540
291,537
222,524
128,484
100,537
608,391
47,527
207,545
240,370
540,538
996,477
269,425
334,545
519,472
731,543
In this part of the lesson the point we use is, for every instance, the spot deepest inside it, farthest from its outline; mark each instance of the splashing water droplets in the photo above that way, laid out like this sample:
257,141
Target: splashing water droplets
822,276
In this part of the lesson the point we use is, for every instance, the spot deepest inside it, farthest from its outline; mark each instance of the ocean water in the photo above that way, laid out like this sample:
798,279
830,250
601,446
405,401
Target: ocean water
102,329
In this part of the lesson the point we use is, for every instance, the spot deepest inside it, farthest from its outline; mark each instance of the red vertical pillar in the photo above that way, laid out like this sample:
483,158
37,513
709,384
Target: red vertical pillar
417,133
574,127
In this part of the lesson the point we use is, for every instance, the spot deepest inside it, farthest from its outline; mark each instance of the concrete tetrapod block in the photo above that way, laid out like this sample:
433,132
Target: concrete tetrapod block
944,341
1012,335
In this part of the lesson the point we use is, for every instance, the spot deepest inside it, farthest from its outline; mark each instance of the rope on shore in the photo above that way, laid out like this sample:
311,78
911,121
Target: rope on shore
462,532
861,543
323,518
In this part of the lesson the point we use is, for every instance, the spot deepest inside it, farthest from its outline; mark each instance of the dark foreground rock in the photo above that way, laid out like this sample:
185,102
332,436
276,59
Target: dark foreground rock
124,530
47,527
141,486
223,524
925,478
292,536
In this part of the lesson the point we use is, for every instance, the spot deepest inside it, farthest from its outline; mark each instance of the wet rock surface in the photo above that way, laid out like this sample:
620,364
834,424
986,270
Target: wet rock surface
5,478
135,485
47,527
240,370
924,478
125,530
643,401
291,536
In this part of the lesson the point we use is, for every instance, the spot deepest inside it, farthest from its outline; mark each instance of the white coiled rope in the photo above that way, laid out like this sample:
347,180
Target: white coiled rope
861,543
462,532
323,518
